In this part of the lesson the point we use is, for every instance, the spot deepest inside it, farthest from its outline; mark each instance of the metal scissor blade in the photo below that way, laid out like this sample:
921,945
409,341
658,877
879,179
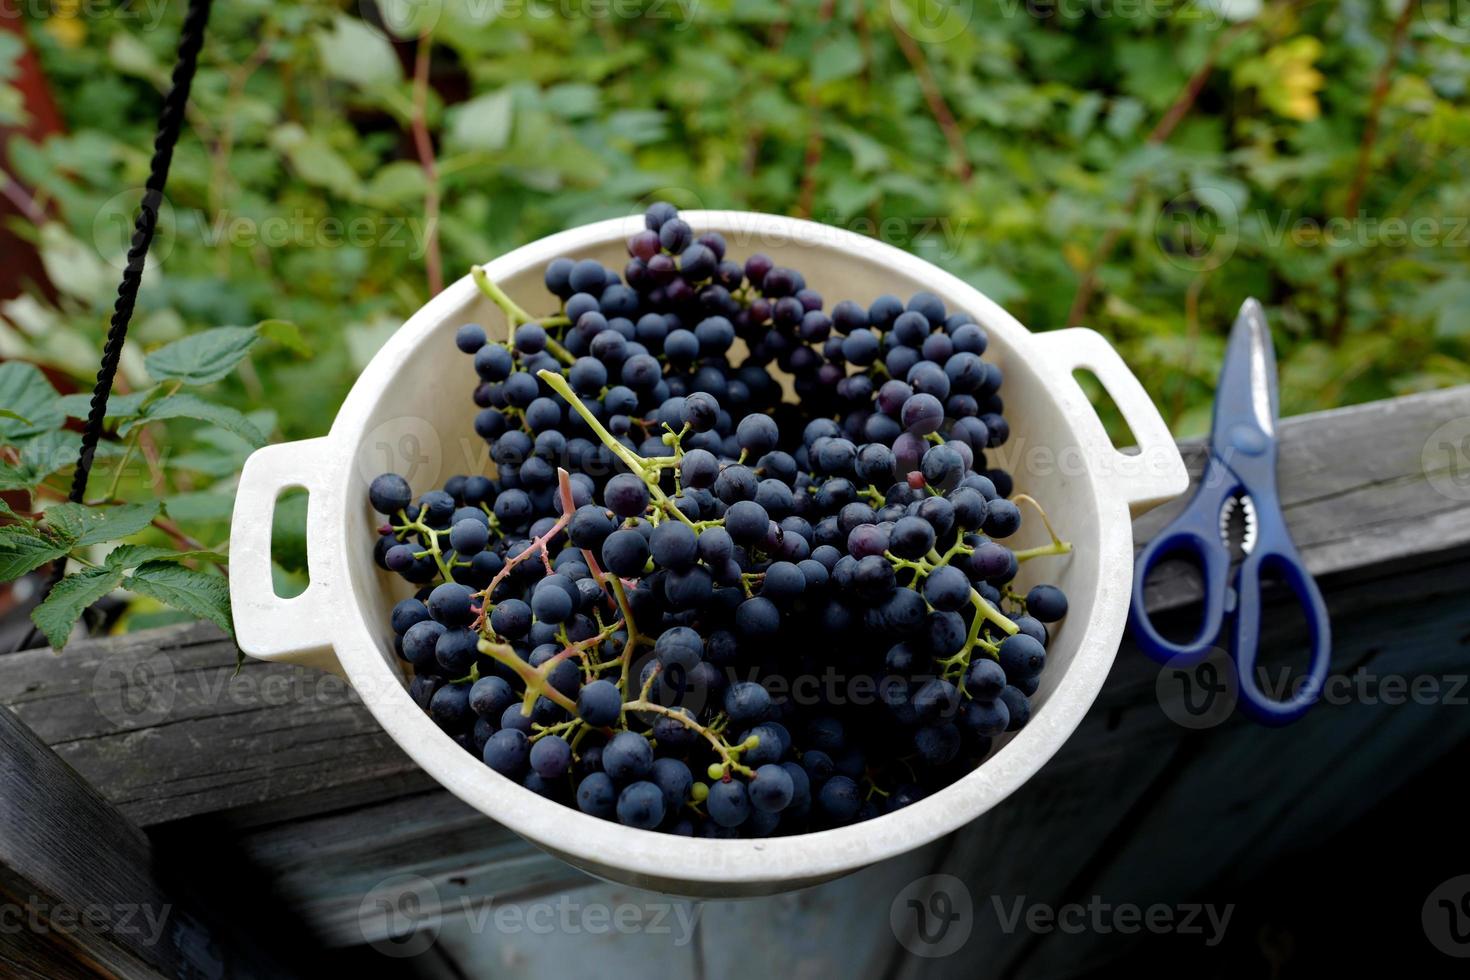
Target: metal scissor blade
1247,395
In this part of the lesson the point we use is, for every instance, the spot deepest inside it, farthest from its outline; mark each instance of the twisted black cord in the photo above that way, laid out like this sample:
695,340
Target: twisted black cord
170,124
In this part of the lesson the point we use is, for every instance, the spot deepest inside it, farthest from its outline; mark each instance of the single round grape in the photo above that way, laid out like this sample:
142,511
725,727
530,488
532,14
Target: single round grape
1019,707
389,494
626,495
450,604
1002,519
674,544
597,795
947,588
507,752
840,798
922,414
674,780
728,803
1046,603
771,789
758,617
627,756
746,702
551,756
757,434
985,679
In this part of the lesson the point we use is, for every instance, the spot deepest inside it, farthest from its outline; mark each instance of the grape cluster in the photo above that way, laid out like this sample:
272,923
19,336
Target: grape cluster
686,603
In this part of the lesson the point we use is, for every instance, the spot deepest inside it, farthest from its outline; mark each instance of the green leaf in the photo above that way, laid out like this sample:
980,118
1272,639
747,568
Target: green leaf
482,123
23,549
119,406
32,405
356,53
198,593
199,506
133,555
69,598
42,455
285,333
316,161
202,358
839,56
83,525
13,477
188,406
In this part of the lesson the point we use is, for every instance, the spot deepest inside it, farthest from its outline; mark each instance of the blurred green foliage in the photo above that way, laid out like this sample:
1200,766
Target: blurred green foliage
298,193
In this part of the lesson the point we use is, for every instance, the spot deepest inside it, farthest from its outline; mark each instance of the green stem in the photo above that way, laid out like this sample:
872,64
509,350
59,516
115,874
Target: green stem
516,316
631,459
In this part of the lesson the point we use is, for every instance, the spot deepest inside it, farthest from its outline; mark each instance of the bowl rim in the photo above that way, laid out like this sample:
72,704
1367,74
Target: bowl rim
658,855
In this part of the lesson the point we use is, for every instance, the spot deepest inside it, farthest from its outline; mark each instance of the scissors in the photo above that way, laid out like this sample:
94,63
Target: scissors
1241,472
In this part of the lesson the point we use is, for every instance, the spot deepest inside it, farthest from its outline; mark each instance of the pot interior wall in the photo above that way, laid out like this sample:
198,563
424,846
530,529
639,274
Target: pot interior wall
422,429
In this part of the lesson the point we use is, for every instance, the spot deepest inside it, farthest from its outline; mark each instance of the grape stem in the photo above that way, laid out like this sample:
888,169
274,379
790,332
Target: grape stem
539,546
1057,546
516,316
432,534
725,752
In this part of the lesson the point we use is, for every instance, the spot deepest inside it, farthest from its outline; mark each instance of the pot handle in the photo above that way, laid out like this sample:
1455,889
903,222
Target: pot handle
267,627
1154,474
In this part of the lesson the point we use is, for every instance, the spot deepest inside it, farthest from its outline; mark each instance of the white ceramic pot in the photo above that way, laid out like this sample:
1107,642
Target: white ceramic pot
411,412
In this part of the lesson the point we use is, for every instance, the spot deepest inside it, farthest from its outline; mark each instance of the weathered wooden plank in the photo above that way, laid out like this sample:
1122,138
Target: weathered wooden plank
168,729
79,894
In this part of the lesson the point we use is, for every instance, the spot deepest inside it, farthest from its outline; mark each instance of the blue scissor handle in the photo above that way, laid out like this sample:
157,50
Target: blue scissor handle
1196,534
1274,550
